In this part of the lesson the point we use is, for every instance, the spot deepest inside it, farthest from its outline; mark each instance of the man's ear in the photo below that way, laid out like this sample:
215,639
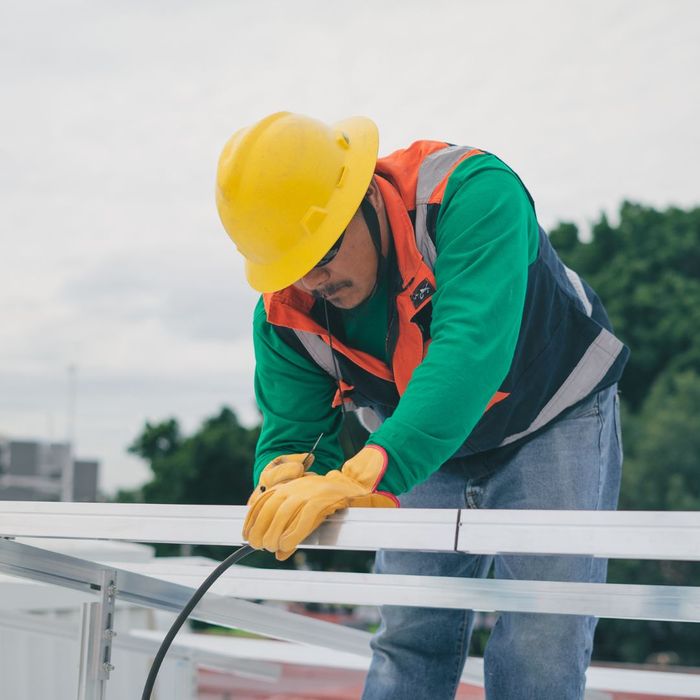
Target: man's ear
373,195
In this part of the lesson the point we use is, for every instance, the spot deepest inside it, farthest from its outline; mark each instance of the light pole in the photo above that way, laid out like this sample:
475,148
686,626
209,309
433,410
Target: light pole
67,472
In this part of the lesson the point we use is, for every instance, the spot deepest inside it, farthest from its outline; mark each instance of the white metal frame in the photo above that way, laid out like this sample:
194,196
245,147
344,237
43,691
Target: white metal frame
597,533
96,635
148,641
619,601
608,534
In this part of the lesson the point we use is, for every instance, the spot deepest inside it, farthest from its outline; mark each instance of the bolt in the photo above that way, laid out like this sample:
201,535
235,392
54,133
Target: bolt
107,667
111,590
110,634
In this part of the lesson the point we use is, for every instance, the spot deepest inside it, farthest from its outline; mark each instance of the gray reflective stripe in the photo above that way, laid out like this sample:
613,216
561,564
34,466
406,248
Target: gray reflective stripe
433,169
369,419
423,241
590,370
322,355
320,352
431,173
580,291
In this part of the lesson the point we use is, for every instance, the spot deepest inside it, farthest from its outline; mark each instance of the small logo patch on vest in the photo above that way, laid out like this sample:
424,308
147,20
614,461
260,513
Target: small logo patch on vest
424,290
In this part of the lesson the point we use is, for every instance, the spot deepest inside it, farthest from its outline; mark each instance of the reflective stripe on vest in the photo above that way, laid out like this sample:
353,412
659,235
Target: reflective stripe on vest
433,172
580,291
591,368
322,355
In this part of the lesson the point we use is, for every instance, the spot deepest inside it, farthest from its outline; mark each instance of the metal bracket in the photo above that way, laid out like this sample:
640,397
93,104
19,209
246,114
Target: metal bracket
97,633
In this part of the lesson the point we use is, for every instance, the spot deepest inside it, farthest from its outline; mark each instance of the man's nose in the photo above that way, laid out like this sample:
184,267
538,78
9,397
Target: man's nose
313,279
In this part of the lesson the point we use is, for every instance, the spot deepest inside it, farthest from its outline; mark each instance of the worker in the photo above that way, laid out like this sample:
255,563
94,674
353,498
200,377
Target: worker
419,290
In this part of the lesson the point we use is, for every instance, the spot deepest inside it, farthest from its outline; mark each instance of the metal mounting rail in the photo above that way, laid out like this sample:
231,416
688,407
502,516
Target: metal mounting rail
175,585
49,567
619,601
609,534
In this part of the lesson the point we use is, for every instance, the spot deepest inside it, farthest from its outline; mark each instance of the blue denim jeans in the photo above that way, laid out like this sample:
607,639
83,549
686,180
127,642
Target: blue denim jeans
420,652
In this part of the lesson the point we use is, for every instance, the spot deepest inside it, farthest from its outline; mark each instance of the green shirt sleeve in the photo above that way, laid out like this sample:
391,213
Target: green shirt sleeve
294,396
486,236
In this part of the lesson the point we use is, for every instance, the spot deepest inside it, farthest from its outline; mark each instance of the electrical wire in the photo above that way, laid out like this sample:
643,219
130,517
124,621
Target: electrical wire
233,558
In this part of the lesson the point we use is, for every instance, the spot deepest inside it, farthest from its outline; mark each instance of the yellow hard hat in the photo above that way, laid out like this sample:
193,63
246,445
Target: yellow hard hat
287,187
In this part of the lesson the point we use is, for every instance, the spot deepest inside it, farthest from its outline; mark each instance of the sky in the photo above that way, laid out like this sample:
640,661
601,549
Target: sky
112,116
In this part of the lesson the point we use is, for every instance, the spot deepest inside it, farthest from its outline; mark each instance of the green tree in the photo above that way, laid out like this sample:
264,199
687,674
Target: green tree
647,272
662,466
213,466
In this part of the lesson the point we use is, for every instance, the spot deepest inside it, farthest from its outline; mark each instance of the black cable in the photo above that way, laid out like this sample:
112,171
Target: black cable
241,552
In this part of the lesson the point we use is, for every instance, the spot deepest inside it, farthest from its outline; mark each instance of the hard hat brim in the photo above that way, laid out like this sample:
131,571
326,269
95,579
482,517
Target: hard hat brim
299,260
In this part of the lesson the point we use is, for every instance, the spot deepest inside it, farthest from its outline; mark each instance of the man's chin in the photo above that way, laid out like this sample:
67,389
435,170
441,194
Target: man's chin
339,302
345,301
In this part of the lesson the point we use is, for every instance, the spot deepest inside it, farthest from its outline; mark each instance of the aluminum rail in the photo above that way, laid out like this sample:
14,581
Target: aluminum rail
218,525
59,569
168,585
607,534
619,601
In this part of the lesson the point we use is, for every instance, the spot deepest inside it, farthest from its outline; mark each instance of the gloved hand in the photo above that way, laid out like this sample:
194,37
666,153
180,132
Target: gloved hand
288,512
287,467
281,469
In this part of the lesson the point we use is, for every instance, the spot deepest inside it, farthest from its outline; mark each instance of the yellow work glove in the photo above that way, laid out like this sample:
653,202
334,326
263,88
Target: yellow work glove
281,469
287,467
288,512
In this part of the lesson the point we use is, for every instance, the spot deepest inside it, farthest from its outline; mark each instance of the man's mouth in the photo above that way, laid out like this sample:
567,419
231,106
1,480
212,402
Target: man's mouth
331,291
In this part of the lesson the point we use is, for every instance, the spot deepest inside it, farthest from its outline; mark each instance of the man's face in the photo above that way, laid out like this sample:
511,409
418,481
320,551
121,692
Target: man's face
349,278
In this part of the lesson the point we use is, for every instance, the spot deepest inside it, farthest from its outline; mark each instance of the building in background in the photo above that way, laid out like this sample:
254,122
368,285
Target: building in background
33,470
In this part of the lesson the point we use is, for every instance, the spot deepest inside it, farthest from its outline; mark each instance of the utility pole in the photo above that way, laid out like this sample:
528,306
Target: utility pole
70,408
67,475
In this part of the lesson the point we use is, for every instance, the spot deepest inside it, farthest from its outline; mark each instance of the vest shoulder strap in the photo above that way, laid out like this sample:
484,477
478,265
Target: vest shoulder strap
433,174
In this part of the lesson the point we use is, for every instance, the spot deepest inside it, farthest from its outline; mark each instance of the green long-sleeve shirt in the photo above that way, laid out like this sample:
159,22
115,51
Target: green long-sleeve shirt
486,237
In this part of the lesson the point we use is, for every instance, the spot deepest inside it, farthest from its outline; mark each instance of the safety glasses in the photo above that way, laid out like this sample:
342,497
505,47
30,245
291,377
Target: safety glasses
331,253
